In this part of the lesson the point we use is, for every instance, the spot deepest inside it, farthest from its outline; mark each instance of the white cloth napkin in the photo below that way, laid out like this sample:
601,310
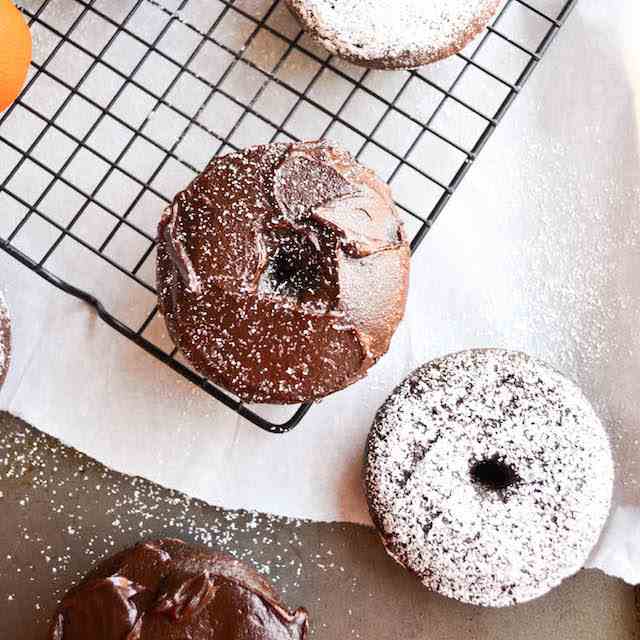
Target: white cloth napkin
538,251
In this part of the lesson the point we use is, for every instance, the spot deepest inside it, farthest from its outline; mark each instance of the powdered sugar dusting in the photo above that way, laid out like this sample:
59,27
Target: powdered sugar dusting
511,534
36,467
5,339
410,32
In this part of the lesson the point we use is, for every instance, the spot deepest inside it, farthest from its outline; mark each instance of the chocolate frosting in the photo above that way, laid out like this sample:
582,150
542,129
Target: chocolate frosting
167,590
283,271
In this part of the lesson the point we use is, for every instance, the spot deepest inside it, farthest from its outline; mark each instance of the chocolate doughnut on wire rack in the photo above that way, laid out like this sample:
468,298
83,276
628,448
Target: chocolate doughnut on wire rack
127,100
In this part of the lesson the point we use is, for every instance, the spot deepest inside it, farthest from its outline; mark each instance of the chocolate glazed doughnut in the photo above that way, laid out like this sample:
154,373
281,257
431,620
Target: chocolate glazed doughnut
167,590
283,271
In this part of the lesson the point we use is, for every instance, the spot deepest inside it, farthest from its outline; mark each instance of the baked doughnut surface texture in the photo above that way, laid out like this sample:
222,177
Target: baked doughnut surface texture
390,34
283,271
489,476
167,590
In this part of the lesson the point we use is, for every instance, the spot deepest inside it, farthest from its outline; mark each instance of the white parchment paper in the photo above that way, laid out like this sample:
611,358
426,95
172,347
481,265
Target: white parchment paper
538,251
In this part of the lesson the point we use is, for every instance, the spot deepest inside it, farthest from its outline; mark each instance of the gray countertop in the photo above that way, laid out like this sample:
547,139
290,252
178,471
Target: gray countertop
62,511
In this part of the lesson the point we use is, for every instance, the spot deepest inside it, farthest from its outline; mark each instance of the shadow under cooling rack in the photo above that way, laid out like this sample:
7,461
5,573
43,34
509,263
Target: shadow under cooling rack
127,100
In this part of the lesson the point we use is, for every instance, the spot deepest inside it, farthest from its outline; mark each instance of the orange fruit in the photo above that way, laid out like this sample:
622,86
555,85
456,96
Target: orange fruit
15,52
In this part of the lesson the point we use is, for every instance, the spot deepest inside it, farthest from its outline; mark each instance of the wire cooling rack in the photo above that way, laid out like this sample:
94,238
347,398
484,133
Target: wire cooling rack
127,100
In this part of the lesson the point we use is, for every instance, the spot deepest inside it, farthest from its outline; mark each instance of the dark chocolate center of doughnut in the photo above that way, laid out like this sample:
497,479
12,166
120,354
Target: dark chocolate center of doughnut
292,270
296,267
494,474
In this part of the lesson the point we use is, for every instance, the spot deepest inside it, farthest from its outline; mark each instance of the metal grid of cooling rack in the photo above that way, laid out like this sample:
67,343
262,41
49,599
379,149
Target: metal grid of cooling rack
127,100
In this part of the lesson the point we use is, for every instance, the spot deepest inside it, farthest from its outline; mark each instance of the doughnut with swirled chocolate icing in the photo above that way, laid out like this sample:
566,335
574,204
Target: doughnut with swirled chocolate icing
167,590
283,271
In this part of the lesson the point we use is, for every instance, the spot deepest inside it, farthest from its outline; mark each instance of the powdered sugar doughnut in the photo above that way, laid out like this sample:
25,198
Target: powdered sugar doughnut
393,34
489,476
169,590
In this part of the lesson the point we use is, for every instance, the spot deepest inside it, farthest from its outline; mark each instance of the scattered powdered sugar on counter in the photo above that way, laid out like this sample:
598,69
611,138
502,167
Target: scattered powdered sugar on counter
135,506
91,512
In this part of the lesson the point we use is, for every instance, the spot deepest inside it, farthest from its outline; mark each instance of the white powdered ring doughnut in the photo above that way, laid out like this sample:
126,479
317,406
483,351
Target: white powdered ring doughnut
489,476
392,34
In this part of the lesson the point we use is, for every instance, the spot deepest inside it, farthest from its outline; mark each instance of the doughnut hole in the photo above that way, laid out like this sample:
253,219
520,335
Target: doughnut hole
493,474
299,268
